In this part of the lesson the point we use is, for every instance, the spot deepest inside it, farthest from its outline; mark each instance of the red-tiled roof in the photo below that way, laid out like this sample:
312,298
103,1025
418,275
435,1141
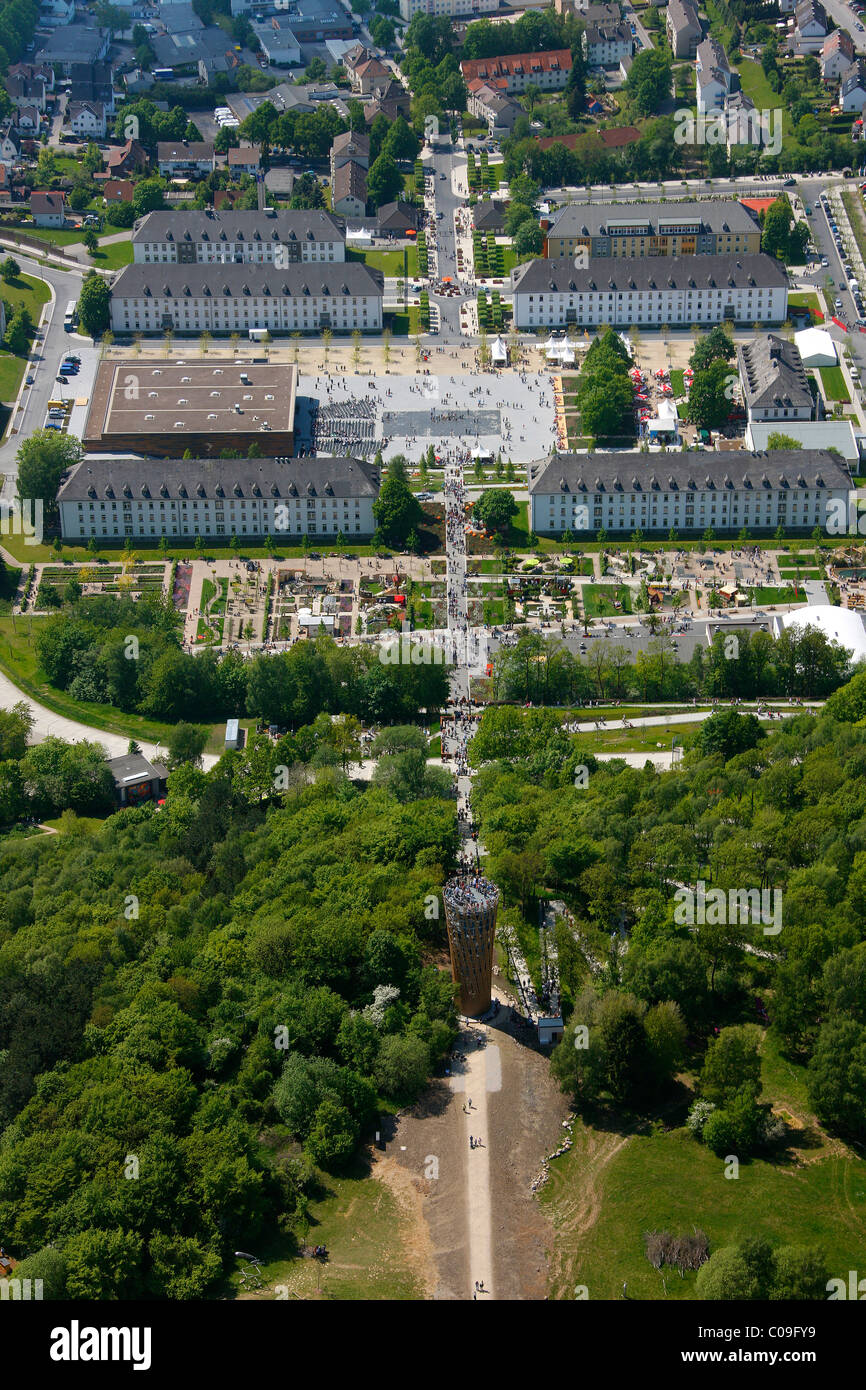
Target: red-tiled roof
558,59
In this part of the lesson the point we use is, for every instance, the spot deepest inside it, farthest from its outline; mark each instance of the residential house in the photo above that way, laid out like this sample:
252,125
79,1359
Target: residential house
181,158
246,159
810,26
369,75
549,71
349,190
350,147
715,81
26,91
92,82
852,93
118,190
10,145
391,99
490,104
130,158
43,71
606,45
837,54
28,120
683,28
489,216
773,380
86,119
48,209
137,780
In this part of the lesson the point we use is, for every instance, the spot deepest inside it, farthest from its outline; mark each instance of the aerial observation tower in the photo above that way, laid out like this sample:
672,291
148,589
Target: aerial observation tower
471,903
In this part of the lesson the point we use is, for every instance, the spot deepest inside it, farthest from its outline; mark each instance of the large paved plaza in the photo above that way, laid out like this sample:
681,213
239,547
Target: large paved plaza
510,412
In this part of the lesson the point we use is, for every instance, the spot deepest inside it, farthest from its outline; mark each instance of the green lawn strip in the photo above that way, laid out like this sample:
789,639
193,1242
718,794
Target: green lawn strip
670,1182
678,382
11,372
654,739
25,292
54,236
91,824
768,594
18,661
834,384
599,600
113,255
807,301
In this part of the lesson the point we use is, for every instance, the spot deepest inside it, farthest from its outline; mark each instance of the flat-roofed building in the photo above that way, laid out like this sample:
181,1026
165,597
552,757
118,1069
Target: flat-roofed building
195,299
621,492
162,408
696,289
182,498
654,229
278,236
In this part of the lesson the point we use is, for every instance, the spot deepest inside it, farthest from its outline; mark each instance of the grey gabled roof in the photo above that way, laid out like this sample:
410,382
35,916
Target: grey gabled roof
607,33
156,479
683,16
619,275
134,767
226,225
180,151
711,54
854,77
577,219
734,469
772,373
239,281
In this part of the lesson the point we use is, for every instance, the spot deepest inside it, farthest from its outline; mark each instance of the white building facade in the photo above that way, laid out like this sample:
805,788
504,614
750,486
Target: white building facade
184,498
692,289
280,237
795,488
191,299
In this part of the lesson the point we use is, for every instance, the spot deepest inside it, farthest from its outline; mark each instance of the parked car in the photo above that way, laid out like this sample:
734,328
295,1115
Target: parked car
63,380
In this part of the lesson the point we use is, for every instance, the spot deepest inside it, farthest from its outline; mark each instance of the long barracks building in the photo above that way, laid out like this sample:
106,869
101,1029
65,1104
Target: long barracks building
695,289
194,299
623,492
724,228
273,237
183,498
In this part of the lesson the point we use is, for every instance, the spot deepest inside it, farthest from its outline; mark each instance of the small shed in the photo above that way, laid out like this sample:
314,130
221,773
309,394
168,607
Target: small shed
232,733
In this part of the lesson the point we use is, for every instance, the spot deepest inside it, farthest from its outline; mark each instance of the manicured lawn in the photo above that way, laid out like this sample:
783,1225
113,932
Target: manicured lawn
114,255
678,381
776,595
54,235
91,824
807,301
834,384
11,372
756,86
651,740
599,600
26,292
389,262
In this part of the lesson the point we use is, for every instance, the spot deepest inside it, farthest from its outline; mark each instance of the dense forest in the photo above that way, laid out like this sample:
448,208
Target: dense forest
198,1005
779,812
86,651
